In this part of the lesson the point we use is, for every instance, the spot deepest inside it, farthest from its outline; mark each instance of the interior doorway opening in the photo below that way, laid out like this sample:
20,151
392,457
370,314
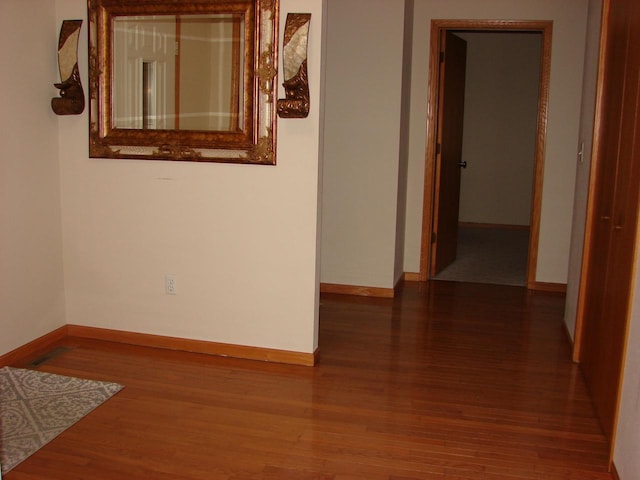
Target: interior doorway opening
498,183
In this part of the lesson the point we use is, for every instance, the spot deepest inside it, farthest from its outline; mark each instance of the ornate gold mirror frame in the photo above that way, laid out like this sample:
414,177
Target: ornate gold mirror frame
252,139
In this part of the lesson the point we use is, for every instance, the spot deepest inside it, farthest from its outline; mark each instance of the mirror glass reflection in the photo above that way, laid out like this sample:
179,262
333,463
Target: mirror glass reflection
178,72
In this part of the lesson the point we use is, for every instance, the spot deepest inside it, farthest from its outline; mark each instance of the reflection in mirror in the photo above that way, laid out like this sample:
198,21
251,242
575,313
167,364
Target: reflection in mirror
183,81
178,72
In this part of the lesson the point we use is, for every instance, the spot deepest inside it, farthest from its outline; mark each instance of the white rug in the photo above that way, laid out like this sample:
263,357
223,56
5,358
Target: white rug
35,407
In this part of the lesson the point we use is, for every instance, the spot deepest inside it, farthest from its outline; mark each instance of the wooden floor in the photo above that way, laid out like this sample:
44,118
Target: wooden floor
447,381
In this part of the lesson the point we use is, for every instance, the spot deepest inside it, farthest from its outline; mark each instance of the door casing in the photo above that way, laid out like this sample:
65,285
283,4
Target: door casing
437,27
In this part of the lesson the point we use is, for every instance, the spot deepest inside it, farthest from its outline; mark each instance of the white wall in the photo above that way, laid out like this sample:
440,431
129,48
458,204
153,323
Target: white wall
569,19
362,141
241,239
583,166
404,128
627,444
31,279
500,116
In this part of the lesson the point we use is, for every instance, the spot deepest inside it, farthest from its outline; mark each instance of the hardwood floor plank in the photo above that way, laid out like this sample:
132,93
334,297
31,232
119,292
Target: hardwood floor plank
446,381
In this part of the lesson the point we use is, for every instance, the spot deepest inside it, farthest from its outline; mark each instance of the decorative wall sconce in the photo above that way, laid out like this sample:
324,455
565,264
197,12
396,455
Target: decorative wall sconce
71,100
296,81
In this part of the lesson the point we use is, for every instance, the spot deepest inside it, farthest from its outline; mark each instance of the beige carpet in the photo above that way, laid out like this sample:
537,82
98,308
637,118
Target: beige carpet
35,407
489,255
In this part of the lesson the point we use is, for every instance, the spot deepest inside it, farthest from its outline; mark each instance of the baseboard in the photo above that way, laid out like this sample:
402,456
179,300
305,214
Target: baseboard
34,348
357,290
614,472
493,225
195,346
44,343
548,287
535,286
567,334
411,277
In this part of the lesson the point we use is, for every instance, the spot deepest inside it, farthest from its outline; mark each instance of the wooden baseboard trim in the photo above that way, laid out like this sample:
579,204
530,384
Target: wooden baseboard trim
34,348
549,287
411,277
195,346
567,334
357,290
493,225
614,472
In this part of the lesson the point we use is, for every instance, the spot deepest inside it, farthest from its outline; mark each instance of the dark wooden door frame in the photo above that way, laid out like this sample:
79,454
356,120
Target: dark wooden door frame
597,213
591,215
437,26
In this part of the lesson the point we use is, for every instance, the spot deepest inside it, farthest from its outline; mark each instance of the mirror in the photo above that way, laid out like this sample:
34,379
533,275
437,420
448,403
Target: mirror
190,81
178,72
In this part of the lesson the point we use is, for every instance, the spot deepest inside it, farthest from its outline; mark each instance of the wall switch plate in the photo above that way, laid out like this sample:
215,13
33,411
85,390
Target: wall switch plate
170,286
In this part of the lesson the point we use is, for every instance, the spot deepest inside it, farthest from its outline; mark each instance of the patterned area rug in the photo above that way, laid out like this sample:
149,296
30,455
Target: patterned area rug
35,407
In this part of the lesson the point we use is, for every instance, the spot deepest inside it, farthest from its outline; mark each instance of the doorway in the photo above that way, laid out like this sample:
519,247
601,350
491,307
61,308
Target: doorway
439,235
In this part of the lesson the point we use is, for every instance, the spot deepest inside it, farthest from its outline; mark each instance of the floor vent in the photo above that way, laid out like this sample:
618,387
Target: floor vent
48,356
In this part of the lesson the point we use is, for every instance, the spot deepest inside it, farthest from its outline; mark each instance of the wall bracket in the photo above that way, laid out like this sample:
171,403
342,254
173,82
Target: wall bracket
296,81
71,100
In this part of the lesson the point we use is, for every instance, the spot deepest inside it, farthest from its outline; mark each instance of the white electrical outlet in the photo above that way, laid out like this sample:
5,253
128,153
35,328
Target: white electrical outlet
170,286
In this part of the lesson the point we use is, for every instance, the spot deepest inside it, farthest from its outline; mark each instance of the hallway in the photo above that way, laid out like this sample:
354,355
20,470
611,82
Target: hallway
477,377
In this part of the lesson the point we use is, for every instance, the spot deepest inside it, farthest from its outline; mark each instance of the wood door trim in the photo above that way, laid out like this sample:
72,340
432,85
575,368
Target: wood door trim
593,181
437,26
429,163
541,141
